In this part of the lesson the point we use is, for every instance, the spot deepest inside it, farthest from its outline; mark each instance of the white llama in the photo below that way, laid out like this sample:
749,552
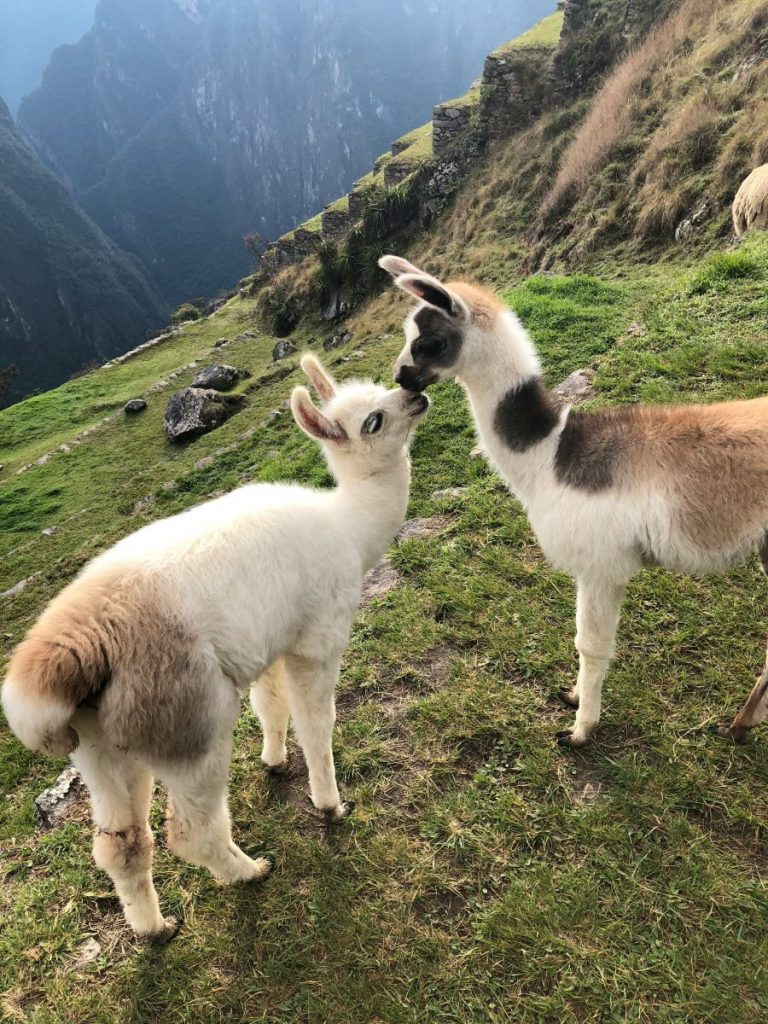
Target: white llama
136,669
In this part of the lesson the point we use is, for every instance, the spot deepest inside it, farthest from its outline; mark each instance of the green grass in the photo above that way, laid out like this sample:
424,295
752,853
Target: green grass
486,875
416,135
544,33
340,205
314,223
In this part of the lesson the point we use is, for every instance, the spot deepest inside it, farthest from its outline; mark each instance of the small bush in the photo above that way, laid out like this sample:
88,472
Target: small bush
185,313
722,267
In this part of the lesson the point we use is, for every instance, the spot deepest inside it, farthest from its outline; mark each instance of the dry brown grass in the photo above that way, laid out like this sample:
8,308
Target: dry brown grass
611,114
687,126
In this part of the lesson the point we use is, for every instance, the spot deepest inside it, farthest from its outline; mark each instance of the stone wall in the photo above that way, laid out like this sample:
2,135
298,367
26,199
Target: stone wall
449,122
514,89
335,223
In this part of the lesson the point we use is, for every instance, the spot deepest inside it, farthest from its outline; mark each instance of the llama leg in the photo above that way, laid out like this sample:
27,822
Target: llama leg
121,792
598,606
311,686
269,701
198,817
754,711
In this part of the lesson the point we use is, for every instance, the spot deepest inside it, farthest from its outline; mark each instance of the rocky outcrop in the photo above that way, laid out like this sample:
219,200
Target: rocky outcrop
282,349
195,411
219,376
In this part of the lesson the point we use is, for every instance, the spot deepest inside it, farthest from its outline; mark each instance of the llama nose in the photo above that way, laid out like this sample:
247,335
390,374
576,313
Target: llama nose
408,378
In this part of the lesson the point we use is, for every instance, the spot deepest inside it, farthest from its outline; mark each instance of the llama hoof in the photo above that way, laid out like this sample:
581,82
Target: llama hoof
568,697
569,738
276,769
333,814
729,734
171,928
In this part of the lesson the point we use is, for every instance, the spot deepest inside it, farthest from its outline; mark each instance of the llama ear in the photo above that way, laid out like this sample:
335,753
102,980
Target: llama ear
312,421
396,265
431,291
323,383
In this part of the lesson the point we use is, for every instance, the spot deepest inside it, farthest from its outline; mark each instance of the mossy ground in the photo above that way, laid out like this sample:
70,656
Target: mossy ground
486,875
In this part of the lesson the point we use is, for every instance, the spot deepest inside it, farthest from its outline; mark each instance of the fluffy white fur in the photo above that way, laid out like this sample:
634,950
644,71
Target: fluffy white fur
262,585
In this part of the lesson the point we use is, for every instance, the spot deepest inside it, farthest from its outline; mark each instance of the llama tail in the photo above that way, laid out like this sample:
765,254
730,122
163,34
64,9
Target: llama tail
50,673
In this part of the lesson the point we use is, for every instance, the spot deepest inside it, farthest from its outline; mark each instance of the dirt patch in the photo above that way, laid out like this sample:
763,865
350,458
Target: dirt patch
582,783
109,931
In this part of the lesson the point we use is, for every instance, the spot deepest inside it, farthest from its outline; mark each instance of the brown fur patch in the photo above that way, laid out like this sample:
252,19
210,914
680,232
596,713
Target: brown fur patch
717,457
483,304
713,460
109,641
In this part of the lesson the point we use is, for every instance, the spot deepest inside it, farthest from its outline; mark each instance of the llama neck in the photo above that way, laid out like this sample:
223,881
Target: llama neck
374,506
516,417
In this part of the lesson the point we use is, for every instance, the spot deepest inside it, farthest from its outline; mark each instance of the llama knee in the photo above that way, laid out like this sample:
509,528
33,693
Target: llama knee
595,649
123,853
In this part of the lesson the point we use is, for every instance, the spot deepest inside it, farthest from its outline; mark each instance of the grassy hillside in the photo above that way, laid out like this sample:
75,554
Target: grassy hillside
487,875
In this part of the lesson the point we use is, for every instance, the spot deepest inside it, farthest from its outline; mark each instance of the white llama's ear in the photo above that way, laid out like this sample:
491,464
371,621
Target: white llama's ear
322,381
312,421
396,265
431,291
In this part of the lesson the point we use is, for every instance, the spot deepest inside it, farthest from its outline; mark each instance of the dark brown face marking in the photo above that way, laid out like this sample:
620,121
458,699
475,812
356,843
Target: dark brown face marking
437,346
593,447
526,415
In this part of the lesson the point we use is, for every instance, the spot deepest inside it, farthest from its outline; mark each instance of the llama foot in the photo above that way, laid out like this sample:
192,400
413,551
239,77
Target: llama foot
567,694
171,928
281,768
731,733
242,868
571,738
333,814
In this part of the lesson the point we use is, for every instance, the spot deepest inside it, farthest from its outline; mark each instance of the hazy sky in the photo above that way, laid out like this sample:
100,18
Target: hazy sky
30,30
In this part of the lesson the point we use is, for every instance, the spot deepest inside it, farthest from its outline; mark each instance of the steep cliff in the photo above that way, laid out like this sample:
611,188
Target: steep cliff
68,296
182,126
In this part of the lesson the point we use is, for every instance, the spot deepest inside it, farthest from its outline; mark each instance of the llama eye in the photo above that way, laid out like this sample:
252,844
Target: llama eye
373,423
431,347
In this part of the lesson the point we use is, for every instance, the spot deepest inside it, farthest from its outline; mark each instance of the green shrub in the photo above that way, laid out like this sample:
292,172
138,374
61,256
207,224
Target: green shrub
185,313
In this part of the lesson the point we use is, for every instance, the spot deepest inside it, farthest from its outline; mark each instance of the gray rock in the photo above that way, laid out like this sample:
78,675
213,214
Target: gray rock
636,330
87,952
477,452
577,387
703,212
54,802
382,578
219,376
282,349
135,405
425,527
50,531
221,343
195,411
337,340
